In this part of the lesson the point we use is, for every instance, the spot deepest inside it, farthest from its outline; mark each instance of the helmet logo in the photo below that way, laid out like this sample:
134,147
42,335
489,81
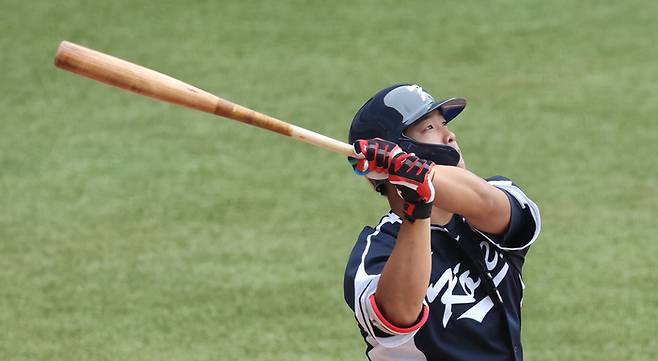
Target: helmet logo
411,101
423,94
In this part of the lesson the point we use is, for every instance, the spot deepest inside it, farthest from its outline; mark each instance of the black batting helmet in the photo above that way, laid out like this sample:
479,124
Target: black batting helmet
392,110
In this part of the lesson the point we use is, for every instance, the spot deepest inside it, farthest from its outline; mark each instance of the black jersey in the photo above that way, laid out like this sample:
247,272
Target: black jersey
473,303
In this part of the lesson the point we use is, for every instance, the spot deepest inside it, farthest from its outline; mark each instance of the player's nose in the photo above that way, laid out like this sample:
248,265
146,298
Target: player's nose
449,137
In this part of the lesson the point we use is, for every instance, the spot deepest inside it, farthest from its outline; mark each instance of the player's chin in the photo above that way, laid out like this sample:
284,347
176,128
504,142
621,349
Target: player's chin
462,163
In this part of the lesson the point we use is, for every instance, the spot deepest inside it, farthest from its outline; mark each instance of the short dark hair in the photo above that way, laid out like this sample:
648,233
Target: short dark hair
379,185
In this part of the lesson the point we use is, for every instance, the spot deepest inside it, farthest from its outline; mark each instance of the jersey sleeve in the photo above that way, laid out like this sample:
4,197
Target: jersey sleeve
525,219
361,278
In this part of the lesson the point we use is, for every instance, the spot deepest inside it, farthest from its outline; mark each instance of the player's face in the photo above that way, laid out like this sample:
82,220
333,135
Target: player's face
434,129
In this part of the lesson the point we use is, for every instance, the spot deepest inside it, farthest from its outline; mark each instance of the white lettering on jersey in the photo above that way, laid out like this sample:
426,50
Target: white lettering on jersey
450,280
449,298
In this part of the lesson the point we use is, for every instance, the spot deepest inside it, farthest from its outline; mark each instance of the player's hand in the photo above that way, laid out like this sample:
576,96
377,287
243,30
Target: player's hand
377,155
412,177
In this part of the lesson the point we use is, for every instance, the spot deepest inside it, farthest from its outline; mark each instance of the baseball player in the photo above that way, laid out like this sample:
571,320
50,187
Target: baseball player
439,277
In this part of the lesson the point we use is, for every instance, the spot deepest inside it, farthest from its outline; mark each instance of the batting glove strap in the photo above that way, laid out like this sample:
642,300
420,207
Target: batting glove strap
414,208
407,171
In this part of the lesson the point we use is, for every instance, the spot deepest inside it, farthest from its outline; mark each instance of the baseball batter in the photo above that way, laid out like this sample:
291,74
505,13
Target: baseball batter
439,277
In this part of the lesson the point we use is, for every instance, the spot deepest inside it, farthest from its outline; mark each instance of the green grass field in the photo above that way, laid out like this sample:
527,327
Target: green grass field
135,230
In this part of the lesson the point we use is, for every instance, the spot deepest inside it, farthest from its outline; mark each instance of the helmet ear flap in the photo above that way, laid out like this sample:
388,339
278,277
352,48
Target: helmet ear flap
437,153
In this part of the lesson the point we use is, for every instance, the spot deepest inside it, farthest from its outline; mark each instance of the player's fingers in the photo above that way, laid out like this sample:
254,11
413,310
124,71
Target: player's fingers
360,166
360,147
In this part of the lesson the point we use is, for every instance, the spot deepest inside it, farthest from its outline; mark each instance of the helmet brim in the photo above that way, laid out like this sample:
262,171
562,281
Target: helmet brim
449,108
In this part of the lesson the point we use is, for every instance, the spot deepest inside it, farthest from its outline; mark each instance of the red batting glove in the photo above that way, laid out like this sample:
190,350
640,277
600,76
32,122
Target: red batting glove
412,177
412,172
377,155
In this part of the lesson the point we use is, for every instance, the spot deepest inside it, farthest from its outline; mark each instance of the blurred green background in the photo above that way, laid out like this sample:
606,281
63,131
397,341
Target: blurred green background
136,230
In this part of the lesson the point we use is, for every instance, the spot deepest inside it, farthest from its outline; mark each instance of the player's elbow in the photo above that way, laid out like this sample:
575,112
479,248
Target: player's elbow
400,314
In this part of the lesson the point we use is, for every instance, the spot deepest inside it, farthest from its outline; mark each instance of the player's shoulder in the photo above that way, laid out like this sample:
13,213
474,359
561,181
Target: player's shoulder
509,186
525,223
370,252
505,184
499,179
388,226
376,242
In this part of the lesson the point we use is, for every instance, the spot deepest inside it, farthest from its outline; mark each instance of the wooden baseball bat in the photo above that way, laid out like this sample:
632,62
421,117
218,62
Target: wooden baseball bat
138,79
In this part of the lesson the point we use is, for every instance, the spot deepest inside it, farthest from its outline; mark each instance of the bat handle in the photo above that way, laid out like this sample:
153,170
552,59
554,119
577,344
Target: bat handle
323,141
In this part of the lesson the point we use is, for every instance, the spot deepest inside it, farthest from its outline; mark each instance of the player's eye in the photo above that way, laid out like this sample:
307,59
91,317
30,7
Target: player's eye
429,127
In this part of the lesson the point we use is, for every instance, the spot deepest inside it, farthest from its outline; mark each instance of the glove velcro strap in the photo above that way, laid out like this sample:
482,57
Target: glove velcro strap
414,211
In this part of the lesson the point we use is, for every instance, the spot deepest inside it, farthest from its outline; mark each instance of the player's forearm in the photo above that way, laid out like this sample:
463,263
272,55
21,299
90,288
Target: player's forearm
462,192
403,282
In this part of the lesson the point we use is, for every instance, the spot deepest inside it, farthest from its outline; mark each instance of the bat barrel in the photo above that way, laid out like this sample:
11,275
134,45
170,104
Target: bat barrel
138,79
132,77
